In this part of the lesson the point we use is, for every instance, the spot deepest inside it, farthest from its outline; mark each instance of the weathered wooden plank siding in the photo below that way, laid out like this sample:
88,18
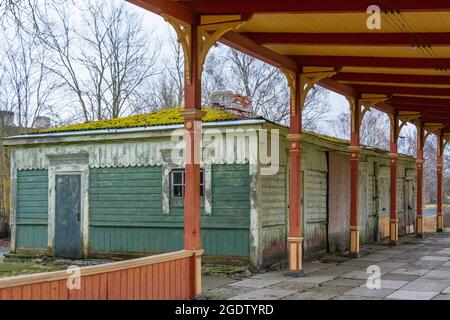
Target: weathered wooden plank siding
126,212
273,216
315,189
32,213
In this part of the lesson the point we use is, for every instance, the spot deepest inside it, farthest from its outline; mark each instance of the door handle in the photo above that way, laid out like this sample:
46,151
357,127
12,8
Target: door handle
78,216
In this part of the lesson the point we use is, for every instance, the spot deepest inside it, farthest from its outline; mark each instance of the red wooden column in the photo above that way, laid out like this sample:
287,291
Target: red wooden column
419,162
295,239
393,156
192,114
354,148
439,163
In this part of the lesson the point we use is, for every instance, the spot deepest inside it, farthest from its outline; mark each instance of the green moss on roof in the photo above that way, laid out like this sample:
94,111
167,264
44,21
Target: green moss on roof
163,117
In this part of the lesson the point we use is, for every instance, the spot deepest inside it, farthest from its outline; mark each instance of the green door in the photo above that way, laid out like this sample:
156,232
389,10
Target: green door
67,215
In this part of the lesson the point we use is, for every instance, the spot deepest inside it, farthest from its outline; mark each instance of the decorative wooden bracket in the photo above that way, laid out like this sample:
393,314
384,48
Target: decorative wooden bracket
446,137
407,116
363,105
366,102
306,83
208,33
433,128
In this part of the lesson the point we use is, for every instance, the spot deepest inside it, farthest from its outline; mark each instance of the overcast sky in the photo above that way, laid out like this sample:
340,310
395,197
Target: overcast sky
157,24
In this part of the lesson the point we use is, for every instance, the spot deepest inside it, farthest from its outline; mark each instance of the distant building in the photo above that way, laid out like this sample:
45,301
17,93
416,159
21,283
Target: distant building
9,128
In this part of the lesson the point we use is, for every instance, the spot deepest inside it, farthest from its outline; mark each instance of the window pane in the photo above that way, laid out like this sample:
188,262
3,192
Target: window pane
177,191
177,177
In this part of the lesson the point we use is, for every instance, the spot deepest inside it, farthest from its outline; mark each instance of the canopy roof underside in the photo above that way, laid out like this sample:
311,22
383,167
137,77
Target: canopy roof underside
408,59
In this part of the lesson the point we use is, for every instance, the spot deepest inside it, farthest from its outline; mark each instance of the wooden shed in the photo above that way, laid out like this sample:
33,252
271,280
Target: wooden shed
115,188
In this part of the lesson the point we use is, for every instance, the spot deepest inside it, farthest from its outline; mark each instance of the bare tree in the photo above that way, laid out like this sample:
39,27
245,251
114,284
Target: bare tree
26,86
374,129
264,84
101,64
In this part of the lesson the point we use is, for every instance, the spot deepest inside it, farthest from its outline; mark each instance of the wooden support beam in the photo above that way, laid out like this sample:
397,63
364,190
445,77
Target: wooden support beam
351,39
392,90
392,78
323,6
168,7
374,62
239,42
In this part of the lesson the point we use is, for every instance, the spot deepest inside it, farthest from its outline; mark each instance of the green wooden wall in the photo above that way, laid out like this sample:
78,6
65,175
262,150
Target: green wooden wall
126,212
32,208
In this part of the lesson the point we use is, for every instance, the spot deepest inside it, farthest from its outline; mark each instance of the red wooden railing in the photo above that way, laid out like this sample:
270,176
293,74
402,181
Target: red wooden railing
160,277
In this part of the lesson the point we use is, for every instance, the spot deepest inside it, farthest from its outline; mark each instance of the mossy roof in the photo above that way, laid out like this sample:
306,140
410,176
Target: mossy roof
159,118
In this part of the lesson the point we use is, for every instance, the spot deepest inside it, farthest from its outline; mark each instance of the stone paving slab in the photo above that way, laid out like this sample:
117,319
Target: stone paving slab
438,274
366,292
426,285
352,283
412,295
255,283
442,297
294,285
390,284
363,275
310,267
315,279
435,258
447,264
413,270
273,275
264,294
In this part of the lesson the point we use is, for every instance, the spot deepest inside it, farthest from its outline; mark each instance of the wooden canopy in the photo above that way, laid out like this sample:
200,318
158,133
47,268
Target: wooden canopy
408,59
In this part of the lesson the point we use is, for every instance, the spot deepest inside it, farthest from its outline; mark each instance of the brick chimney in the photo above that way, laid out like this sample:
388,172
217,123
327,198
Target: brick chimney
42,123
233,102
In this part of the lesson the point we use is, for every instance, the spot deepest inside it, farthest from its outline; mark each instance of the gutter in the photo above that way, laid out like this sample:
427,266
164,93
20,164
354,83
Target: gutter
10,141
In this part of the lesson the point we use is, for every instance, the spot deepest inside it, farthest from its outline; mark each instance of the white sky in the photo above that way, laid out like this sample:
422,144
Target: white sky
157,24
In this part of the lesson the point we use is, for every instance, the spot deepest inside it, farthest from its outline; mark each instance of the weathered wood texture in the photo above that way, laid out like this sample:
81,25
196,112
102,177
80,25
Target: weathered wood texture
32,208
126,212
161,277
273,207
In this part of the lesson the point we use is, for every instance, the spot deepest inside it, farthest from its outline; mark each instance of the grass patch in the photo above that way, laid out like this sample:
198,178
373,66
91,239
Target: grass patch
16,267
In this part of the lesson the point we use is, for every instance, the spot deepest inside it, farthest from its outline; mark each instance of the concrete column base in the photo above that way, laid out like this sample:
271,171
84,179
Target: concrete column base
354,241
419,227
393,232
440,222
295,246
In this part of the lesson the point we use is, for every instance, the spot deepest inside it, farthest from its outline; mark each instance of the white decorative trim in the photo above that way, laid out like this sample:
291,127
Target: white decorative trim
170,164
69,164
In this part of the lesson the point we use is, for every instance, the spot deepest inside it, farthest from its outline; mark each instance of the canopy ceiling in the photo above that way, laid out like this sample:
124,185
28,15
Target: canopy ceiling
408,59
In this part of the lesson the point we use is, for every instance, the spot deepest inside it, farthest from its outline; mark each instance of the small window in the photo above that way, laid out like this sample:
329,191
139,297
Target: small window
177,183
